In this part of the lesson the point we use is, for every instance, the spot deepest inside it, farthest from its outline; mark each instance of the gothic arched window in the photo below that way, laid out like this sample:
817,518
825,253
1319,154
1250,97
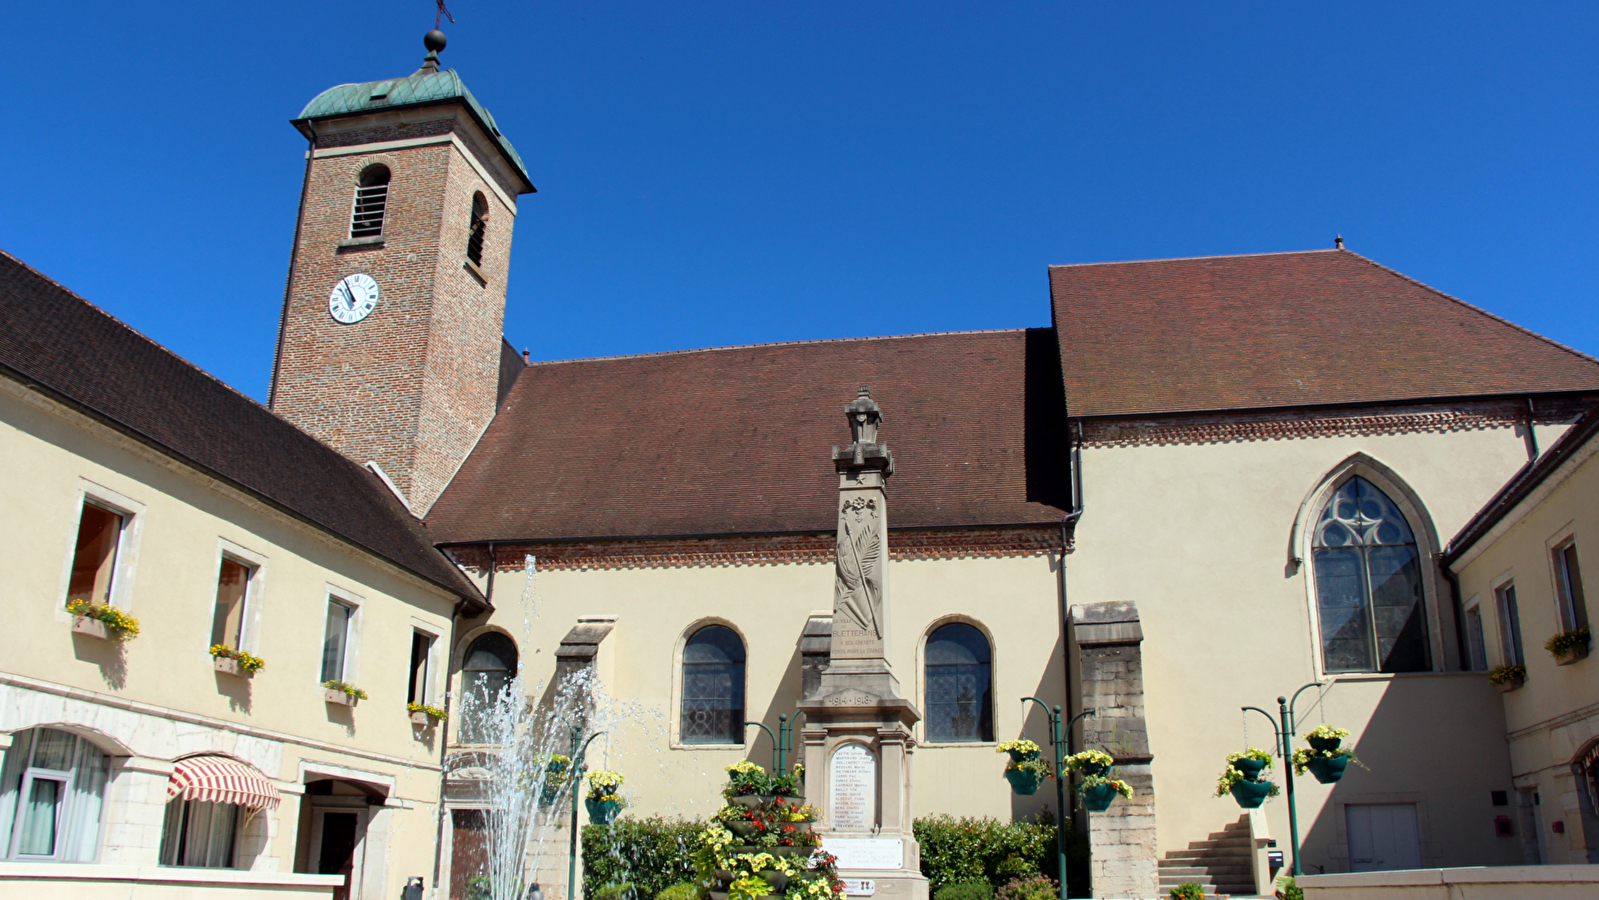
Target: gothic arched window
478,230
1369,594
490,665
960,703
371,201
713,687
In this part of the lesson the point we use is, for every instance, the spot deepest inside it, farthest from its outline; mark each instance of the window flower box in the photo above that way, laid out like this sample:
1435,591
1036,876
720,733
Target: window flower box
1577,653
235,662
1568,647
424,715
90,627
339,698
228,665
1508,678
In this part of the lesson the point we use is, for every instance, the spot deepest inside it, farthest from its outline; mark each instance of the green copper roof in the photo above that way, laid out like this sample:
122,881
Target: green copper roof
425,87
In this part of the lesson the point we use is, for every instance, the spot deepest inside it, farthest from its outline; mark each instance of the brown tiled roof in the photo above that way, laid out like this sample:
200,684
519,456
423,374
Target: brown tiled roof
1316,328
737,440
62,344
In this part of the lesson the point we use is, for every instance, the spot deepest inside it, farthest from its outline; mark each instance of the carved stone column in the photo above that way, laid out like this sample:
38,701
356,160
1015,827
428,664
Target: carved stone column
857,727
1109,652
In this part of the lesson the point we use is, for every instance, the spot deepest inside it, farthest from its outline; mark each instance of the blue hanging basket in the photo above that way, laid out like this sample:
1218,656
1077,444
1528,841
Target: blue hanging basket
1022,781
602,812
1251,794
1328,769
1098,798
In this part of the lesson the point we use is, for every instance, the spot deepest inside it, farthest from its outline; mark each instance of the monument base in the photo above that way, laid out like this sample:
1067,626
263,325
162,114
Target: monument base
884,884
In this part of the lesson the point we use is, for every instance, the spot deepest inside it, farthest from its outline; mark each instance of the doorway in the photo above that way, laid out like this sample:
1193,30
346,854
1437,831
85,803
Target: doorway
1534,850
337,845
1383,836
336,818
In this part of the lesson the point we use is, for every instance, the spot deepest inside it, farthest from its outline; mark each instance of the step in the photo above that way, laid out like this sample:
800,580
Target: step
1210,853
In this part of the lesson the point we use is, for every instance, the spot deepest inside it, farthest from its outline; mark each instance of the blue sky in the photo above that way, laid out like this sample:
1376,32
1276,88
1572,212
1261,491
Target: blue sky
717,173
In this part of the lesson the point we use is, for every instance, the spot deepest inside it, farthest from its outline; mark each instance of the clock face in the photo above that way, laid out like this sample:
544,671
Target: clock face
353,298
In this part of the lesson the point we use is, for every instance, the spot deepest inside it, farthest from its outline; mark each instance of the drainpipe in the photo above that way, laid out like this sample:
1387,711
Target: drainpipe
1532,437
1068,520
294,253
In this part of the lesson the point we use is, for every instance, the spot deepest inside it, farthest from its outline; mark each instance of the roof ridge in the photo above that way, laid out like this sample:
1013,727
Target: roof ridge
692,350
1476,309
1160,259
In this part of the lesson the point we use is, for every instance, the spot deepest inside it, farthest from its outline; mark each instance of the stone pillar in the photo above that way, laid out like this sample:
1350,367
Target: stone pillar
857,727
1109,640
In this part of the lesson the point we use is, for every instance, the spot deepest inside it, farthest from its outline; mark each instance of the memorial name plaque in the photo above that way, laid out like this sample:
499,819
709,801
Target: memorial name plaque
866,853
852,797
859,887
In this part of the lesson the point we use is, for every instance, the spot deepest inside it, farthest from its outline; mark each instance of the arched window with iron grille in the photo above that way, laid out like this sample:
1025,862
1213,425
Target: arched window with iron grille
1369,594
713,687
959,678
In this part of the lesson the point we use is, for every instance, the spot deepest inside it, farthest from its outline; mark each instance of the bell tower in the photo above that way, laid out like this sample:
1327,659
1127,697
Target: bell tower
390,346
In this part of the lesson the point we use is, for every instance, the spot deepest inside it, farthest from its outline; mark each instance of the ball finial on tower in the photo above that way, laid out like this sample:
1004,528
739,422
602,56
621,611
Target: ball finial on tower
434,40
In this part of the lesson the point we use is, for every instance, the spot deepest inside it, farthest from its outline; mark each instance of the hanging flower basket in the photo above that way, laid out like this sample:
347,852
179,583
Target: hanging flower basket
1249,767
1024,781
1251,794
555,774
1020,751
603,812
1328,769
1090,762
1098,792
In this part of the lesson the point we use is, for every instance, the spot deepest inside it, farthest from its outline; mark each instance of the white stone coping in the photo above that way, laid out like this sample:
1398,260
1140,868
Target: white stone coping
1553,874
68,872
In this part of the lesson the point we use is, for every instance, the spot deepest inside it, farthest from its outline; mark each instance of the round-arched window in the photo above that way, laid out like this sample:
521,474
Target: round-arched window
371,202
52,788
713,687
960,702
490,665
1369,596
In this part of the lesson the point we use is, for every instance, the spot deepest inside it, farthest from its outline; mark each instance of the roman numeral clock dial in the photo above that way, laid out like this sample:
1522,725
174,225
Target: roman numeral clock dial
353,298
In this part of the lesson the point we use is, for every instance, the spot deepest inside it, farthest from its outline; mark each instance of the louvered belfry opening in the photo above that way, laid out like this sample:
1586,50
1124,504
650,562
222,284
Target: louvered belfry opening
479,230
371,200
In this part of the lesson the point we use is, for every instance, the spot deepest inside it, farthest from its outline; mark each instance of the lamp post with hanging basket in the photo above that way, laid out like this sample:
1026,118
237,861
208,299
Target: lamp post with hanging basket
1283,727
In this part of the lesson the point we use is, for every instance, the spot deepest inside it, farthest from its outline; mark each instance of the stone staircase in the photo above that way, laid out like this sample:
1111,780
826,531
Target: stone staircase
1221,863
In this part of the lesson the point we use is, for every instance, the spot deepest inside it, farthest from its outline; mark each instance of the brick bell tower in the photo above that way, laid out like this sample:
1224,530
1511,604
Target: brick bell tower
390,345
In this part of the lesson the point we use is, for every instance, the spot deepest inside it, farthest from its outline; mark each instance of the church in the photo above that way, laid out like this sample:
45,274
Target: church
1204,485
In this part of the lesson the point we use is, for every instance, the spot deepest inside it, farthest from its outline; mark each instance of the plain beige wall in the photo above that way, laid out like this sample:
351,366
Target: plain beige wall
183,520
1199,537
1556,712
1016,600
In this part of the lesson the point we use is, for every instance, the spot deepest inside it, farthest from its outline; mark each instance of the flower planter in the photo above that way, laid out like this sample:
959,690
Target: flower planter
1576,653
776,879
1511,685
1324,744
229,665
1022,781
1250,767
339,698
602,812
419,718
748,801
1098,798
91,628
744,829
1251,794
549,793
1328,769
1022,755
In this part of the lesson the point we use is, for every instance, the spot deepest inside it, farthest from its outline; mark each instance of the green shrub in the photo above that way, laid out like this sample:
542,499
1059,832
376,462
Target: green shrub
966,890
956,851
622,891
1188,890
1288,890
683,890
647,855
1033,887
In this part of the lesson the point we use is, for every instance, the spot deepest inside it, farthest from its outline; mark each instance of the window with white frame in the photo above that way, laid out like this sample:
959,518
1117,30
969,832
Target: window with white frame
336,640
1509,624
94,558
1370,598
1476,646
416,691
52,793
233,592
1573,608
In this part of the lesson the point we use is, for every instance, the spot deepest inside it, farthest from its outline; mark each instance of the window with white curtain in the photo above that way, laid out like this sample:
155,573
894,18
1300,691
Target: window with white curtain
1369,594
198,833
52,793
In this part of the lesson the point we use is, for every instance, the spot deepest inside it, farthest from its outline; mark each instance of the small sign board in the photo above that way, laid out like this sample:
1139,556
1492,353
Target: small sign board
866,853
859,887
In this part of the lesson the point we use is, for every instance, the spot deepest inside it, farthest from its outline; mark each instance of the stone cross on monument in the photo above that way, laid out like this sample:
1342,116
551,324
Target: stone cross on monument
857,727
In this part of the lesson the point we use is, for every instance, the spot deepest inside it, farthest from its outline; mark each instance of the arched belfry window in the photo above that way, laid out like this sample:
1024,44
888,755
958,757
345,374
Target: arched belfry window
1370,598
371,201
479,229
960,702
713,687
490,665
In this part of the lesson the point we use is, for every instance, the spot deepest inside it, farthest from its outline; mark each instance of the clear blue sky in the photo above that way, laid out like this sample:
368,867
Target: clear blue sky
717,173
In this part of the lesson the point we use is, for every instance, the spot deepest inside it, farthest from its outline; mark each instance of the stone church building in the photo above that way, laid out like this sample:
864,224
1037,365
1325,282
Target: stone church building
1201,485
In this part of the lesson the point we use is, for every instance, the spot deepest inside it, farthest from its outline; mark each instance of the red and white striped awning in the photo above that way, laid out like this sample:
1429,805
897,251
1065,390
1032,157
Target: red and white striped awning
218,779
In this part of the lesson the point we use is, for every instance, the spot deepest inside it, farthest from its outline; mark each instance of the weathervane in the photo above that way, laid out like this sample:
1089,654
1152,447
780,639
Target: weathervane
443,13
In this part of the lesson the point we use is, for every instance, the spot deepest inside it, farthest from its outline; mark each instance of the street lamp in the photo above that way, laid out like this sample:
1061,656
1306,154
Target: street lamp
1283,726
1058,738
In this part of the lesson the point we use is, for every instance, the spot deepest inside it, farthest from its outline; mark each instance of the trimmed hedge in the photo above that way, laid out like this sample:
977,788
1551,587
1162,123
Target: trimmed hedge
650,854
957,851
